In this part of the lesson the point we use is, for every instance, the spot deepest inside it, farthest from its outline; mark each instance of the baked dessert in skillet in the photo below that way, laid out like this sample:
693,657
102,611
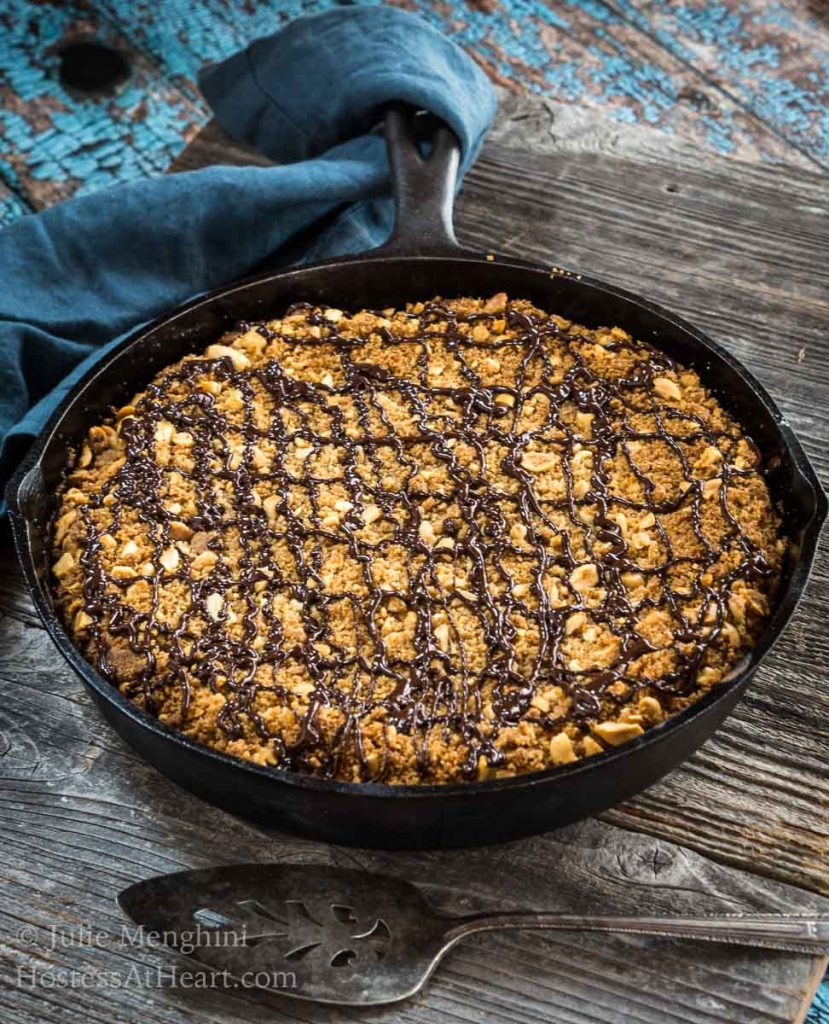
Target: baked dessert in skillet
461,540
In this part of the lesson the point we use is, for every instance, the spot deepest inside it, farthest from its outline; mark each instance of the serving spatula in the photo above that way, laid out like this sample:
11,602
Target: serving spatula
337,935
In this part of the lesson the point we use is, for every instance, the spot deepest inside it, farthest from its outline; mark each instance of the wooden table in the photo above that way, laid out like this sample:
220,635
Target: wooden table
737,246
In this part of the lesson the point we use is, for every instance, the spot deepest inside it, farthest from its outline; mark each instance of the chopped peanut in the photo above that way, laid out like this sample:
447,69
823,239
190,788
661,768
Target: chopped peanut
239,359
666,388
561,749
615,733
583,577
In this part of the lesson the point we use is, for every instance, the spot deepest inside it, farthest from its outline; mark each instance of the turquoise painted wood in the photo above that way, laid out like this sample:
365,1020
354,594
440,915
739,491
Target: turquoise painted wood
741,77
11,206
53,143
772,57
748,78
819,1012
713,69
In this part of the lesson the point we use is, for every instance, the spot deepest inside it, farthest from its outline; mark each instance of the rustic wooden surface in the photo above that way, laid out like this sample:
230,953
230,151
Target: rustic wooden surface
82,817
739,249
740,270
609,156
746,79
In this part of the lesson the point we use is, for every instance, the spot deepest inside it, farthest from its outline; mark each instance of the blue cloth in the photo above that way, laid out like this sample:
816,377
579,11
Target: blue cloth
78,277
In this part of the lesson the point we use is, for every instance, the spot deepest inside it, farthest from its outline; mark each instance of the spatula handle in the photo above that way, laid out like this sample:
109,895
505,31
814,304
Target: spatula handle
793,933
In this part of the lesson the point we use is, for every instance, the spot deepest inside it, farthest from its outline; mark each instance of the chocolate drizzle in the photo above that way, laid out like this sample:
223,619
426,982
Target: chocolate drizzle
435,689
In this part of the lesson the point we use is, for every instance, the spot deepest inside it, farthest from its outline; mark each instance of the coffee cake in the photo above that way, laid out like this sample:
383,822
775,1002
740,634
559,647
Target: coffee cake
461,540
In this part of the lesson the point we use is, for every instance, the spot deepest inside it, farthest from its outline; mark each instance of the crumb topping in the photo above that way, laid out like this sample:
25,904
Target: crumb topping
459,540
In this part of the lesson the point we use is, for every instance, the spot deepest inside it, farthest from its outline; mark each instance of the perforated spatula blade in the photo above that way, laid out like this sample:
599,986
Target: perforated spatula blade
328,934
337,935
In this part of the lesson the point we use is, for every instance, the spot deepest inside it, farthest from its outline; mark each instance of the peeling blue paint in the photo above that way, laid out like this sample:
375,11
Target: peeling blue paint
764,55
11,207
631,56
53,143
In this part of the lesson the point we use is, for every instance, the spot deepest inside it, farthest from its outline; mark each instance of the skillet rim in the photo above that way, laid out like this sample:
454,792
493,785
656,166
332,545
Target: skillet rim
739,676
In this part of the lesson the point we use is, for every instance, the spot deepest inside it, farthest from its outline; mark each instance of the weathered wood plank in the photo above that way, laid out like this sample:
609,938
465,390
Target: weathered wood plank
14,599
590,55
213,145
641,64
54,143
81,817
770,57
752,271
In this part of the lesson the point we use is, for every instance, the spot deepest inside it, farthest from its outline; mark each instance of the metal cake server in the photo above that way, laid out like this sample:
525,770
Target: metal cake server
336,935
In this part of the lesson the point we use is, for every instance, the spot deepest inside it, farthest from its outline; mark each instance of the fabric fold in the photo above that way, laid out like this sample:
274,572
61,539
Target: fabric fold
79,276
325,78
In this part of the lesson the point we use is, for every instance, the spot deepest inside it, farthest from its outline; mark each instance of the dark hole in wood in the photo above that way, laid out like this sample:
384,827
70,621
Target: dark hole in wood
672,188
92,68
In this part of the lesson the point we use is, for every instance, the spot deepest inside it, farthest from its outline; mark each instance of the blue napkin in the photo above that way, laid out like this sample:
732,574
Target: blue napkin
79,276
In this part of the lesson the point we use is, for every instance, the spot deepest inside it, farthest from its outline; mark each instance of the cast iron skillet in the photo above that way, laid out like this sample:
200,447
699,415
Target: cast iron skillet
422,259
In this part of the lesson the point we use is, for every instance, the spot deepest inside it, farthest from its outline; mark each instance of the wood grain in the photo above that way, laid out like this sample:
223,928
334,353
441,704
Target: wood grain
643,63
81,817
766,57
712,77
738,249
55,143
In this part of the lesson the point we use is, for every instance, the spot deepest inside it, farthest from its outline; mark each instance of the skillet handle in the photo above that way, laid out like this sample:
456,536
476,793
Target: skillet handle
424,188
